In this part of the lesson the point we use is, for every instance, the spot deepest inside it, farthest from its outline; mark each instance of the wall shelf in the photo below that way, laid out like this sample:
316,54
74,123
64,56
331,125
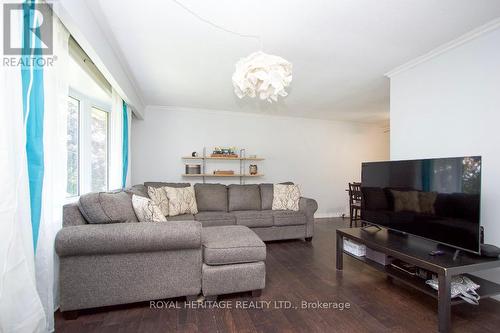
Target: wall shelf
223,158
212,175
242,159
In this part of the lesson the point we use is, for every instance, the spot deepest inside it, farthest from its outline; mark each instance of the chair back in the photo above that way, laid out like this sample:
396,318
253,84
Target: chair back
354,193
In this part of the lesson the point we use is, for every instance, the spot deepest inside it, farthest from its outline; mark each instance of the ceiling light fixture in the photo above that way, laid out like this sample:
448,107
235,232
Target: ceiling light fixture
259,74
262,75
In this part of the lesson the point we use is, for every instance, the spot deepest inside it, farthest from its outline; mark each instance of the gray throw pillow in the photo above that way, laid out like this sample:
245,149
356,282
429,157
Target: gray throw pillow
107,207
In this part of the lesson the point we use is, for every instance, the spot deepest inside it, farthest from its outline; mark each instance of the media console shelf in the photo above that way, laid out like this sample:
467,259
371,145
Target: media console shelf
416,251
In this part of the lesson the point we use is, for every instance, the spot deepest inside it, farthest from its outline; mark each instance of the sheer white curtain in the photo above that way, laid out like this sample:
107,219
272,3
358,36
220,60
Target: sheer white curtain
115,141
56,91
129,169
20,306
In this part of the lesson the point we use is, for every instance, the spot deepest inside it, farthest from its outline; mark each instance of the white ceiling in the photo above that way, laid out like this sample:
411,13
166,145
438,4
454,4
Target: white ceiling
340,49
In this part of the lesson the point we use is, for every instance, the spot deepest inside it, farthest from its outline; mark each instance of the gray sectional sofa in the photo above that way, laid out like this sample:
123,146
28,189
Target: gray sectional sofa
250,206
107,258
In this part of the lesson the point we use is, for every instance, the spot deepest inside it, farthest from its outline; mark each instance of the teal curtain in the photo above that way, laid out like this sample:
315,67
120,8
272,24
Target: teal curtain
125,145
426,175
33,110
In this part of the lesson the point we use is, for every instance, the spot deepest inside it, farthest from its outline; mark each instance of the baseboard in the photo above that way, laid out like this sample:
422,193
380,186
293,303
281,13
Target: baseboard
329,215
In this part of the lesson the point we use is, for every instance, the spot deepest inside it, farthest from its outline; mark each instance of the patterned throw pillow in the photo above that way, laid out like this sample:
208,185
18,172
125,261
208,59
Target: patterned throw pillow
146,210
159,197
286,197
181,200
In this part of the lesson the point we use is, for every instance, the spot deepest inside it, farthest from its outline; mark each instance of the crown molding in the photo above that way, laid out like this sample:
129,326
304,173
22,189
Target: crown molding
473,34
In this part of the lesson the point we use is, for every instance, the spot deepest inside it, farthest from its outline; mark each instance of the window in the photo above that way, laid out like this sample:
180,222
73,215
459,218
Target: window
73,149
87,145
99,150
87,135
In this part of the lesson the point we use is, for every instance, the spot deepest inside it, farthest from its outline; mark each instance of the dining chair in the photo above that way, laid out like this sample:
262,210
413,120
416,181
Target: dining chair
354,203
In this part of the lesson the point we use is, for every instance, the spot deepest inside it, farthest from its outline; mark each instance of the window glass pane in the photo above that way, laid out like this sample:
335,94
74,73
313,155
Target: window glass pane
99,150
72,146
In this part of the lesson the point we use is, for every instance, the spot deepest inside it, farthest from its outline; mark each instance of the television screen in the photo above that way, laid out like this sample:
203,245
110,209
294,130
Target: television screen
438,199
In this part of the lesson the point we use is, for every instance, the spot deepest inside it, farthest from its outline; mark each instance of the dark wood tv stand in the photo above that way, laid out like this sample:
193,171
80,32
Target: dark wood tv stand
415,250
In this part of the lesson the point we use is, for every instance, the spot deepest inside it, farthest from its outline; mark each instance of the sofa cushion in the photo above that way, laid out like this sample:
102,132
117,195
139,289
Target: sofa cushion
163,184
138,190
231,245
254,218
244,197
210,219
183,217
267,193
288,217
211,197
107,207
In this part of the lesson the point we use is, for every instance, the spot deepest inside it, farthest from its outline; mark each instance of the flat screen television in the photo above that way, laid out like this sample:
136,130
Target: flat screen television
438,199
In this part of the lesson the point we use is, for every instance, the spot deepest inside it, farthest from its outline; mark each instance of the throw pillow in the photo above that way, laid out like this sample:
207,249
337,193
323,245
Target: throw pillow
426,202
406,201
181,200
286,197
266,194
146,210
159,197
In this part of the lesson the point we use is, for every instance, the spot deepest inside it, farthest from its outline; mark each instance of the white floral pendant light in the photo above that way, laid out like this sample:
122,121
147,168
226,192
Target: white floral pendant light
262,75
258,75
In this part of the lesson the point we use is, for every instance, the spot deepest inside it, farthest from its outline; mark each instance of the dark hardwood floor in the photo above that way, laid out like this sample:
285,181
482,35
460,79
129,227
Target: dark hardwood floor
300,271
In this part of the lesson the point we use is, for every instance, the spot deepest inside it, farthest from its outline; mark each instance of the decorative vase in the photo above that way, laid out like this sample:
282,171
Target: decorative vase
253,169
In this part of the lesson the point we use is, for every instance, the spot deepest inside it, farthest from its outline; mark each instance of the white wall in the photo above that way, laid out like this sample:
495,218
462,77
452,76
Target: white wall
322,156
450,106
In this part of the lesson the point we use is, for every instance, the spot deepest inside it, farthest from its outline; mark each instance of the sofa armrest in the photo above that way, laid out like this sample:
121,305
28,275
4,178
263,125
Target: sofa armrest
92,239
308,207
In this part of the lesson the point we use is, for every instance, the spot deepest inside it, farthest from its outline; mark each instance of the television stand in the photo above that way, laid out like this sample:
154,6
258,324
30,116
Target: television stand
415,250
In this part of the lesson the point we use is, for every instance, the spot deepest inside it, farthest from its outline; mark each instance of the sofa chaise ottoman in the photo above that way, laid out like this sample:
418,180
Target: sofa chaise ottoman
233,261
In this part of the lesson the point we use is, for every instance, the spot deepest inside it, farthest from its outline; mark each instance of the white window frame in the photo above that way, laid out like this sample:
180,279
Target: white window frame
85,159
